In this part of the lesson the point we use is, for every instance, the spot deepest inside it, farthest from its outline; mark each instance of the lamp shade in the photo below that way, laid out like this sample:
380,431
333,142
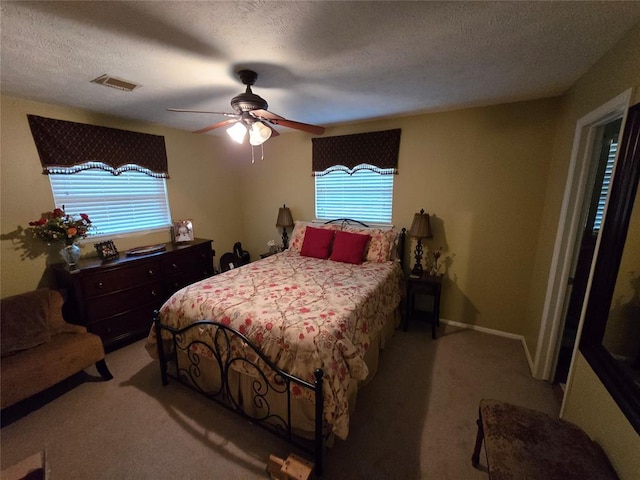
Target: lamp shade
237,132
259,133
421,228
284,217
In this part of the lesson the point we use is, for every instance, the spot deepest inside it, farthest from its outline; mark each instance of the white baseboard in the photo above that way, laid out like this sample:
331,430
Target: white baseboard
492,331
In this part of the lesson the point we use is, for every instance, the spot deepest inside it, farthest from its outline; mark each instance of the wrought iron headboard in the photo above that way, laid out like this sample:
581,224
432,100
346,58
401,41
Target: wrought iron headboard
346,221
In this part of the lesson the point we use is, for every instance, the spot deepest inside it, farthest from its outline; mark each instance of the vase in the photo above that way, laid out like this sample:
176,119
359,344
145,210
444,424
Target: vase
70,254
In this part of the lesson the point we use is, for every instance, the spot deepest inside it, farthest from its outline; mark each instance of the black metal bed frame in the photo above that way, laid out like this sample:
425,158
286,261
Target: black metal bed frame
232,348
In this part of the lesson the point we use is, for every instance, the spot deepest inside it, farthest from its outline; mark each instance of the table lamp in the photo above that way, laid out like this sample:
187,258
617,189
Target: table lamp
420,228
285,220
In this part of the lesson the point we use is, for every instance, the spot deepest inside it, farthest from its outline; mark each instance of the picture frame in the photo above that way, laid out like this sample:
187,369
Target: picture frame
183,231
107,250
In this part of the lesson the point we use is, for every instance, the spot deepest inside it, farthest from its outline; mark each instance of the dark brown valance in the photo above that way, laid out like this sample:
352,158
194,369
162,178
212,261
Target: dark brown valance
69,147
374,148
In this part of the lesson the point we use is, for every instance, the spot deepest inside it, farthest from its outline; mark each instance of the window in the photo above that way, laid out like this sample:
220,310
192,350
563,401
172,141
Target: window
365,194
604,191
129,202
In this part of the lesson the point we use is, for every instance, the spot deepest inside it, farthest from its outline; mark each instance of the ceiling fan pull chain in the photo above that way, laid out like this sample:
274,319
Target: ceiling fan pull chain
262,151
253,160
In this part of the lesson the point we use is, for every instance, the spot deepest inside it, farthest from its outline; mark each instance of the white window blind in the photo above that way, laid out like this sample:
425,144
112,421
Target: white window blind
606,184
130,202
364,195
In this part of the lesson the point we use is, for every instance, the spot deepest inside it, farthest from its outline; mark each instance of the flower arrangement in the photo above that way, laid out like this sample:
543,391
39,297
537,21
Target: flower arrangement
58,226
435,268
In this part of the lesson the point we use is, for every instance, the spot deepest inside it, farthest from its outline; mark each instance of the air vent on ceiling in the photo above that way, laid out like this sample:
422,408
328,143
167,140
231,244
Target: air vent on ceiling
113,82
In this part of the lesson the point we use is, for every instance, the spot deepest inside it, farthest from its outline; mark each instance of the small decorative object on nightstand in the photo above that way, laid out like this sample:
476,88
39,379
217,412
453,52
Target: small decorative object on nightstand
420,228
285,220
424,285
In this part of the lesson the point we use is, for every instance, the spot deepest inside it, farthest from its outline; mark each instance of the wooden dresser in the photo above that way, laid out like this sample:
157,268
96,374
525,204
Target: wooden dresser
116,299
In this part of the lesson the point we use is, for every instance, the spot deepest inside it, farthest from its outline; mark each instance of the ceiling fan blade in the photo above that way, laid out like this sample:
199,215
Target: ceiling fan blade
215,125
305,127
226,114
266,114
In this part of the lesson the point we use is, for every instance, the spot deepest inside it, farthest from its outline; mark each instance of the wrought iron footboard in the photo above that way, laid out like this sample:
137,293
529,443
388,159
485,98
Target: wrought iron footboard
230,351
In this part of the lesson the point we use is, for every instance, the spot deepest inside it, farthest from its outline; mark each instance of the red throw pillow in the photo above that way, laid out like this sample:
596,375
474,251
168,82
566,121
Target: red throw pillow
349,247
317,242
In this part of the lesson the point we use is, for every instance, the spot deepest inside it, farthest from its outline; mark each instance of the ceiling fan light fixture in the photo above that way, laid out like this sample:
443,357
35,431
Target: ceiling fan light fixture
237,132
259,133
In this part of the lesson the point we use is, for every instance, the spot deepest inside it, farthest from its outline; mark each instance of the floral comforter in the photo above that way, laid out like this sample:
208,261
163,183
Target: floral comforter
303,313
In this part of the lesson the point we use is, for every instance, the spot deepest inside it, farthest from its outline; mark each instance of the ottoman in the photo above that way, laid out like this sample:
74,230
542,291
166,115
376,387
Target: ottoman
521,443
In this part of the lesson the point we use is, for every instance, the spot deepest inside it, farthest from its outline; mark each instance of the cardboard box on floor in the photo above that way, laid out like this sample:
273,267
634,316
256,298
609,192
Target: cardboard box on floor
293,468
31,468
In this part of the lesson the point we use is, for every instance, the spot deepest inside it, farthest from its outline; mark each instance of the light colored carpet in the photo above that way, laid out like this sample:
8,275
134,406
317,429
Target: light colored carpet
416,420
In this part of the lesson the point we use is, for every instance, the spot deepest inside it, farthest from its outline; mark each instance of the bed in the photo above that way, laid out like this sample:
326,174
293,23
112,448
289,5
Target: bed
286,341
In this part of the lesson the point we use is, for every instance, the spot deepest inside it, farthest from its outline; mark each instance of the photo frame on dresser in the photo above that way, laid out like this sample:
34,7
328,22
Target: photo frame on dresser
182,231
107,250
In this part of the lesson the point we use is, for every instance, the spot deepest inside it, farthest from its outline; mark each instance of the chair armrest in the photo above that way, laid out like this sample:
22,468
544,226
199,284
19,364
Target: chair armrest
71,328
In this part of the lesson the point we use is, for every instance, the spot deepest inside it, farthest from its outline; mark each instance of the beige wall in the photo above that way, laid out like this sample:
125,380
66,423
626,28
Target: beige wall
587,402
480,172
616,72
596,412
203,186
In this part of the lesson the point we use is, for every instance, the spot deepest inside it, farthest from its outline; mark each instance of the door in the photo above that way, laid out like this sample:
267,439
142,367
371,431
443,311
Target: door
592,214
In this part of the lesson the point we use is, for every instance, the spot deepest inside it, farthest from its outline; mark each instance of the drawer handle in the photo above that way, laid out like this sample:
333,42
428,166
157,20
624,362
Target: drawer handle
154,293
99,285
151,272
174,266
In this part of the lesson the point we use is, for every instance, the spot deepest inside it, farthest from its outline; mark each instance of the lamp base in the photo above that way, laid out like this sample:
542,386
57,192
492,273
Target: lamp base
417,270
285,238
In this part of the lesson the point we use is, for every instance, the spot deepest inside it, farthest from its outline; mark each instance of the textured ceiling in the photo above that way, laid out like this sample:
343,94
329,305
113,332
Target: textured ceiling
318,62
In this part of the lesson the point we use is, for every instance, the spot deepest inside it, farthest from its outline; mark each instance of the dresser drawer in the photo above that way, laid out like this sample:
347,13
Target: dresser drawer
134,323
108,281
108,305
196,263
176,282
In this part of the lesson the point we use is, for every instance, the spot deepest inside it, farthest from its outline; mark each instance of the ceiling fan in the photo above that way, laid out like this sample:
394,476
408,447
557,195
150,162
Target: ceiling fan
251,115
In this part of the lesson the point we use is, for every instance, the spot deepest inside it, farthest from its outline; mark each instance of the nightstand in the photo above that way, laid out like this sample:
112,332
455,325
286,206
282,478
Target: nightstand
267,254
424,285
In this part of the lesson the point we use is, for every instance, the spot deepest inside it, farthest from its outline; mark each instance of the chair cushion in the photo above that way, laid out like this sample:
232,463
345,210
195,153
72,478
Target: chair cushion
36,369
24,321
522,443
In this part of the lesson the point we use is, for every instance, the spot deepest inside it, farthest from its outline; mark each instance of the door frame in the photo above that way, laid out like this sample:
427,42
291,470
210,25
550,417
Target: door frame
552,321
